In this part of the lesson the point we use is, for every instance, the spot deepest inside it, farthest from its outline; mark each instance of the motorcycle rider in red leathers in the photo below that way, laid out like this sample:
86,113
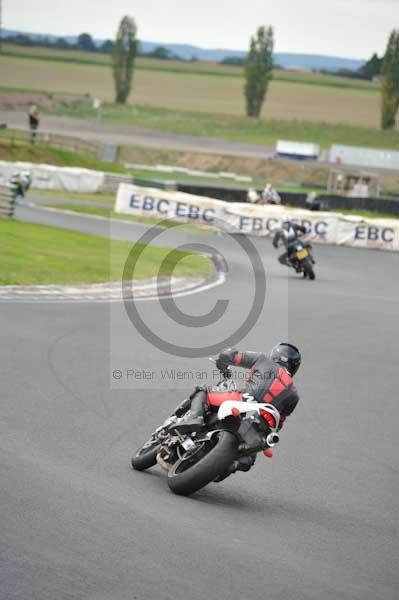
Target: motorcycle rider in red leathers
269,381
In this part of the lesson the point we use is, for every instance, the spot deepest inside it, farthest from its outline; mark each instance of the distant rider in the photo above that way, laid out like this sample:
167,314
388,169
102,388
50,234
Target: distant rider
288,234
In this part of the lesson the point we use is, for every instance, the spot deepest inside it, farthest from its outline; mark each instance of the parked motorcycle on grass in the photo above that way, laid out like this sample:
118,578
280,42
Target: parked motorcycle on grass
235,431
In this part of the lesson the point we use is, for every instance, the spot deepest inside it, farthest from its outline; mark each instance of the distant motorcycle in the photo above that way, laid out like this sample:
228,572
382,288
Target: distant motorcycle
234,432
301,259
19,183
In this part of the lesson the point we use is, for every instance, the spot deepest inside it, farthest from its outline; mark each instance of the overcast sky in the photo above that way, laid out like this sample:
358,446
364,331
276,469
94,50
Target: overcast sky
347,28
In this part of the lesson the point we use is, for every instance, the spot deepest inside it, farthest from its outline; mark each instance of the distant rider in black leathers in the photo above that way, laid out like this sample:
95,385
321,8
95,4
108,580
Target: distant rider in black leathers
288,234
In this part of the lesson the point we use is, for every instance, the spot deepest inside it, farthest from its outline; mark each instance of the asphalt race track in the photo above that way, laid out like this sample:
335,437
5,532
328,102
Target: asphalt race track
318,521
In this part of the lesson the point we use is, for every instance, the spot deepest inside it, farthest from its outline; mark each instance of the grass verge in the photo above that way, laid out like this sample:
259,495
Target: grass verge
37,254
103,197
235,128
44,153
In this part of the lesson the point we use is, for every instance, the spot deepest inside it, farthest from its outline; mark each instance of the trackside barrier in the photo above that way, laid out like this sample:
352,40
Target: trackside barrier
297,199
7,202
72,179
49,177
250,219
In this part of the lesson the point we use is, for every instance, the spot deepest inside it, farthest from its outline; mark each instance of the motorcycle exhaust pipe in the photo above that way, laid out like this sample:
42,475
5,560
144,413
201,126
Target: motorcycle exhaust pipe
162,463
272,439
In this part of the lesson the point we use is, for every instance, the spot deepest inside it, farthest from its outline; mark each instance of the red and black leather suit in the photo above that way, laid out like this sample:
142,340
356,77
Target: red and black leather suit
267,382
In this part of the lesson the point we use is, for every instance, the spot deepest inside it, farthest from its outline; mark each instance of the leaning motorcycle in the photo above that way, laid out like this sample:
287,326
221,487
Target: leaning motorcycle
236,429
301,259
19,183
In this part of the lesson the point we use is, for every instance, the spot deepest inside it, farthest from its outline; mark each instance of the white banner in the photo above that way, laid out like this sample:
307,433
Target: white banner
152,202
49,177
250,219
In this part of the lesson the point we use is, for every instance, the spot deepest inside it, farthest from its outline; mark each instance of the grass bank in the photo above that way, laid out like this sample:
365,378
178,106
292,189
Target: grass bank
37,254
286,175
235,128
21,150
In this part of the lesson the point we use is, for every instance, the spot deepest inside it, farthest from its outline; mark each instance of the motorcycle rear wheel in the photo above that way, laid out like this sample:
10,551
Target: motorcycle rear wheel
308,269
187,477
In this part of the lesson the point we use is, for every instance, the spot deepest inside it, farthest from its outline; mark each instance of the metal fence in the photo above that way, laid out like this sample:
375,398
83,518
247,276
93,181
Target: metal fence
64,142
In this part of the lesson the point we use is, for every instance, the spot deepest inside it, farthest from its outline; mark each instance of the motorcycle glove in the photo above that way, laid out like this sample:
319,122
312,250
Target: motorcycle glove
226,358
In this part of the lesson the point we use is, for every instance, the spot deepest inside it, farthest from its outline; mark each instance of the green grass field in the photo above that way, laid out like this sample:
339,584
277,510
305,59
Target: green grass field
36,254
206,88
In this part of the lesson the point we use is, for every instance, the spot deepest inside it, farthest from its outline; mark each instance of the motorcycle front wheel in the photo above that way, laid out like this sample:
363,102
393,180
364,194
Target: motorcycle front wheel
146,455
191,473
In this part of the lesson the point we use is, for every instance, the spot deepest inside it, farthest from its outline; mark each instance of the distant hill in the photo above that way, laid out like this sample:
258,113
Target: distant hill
309,62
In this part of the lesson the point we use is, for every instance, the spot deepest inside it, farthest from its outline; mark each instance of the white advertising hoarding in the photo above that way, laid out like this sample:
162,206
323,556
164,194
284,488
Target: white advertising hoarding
250,219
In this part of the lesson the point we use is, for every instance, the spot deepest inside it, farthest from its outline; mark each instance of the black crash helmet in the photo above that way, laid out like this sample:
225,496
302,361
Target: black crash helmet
288,356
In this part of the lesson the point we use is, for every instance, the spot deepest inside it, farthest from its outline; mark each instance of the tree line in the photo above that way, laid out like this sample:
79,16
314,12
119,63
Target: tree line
86,43
370,69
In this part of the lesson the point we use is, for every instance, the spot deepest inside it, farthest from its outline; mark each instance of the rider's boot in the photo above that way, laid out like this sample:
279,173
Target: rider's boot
242,464
189,423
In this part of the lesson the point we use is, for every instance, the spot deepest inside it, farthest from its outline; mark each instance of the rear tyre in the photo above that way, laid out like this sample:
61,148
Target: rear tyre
308,269
190,475
146,455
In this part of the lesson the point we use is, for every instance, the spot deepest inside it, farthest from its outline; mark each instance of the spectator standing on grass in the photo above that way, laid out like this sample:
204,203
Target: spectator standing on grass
270,195
33,122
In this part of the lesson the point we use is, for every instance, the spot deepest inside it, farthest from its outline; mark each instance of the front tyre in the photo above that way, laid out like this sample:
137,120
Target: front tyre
146,455
193,473
308,269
